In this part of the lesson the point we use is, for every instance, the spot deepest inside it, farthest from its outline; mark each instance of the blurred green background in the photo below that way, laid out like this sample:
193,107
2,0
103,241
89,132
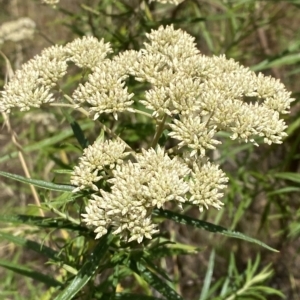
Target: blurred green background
262,199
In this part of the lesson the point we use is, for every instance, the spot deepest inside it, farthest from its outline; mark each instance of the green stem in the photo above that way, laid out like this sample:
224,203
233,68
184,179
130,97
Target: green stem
159,131
142,113
63,215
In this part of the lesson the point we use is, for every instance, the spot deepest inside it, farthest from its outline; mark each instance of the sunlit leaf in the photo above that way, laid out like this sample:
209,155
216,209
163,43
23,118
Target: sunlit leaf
39,183
45,222
182,219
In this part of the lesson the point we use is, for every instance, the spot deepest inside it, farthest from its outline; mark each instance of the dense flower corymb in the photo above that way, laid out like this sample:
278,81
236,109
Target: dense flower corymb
136,189
152,181
190,97
209,94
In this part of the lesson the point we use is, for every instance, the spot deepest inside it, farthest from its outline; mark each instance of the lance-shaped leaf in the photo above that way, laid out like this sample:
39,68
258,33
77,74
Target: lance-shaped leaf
45,222
182,219
39,183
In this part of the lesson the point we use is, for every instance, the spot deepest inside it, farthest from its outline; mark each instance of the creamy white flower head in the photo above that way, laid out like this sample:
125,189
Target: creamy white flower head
234,82
130,179
151,68
274,93
237,100
143,228
174,46
160,63
166,186
88,52
206,182
18,30
194,133
153,160
163,55
255,120
97,157
95,216
24,92
179,96
31,86
127,216
84,177
161,178
136,189
105,90
51,65
126,60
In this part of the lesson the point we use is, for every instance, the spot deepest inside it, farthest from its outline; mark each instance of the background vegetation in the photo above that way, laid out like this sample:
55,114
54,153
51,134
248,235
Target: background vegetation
262,200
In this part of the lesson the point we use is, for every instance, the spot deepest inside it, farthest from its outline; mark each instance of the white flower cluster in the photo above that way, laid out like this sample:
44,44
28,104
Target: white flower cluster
88,52
105,90
191,95
151,181
17,30
96,158
31,86
208,94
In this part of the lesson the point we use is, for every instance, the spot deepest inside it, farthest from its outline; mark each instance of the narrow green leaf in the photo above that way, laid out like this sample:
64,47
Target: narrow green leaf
154,281
288,189
269,290
178,218
88,269
49,281
39,183
42,249
157,269
166,248
78,132
44,222
295,177
208,276
294,126
280,61
170,251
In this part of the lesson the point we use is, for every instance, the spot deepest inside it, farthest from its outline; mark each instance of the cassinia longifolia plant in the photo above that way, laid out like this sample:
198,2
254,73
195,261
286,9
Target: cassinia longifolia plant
190,96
